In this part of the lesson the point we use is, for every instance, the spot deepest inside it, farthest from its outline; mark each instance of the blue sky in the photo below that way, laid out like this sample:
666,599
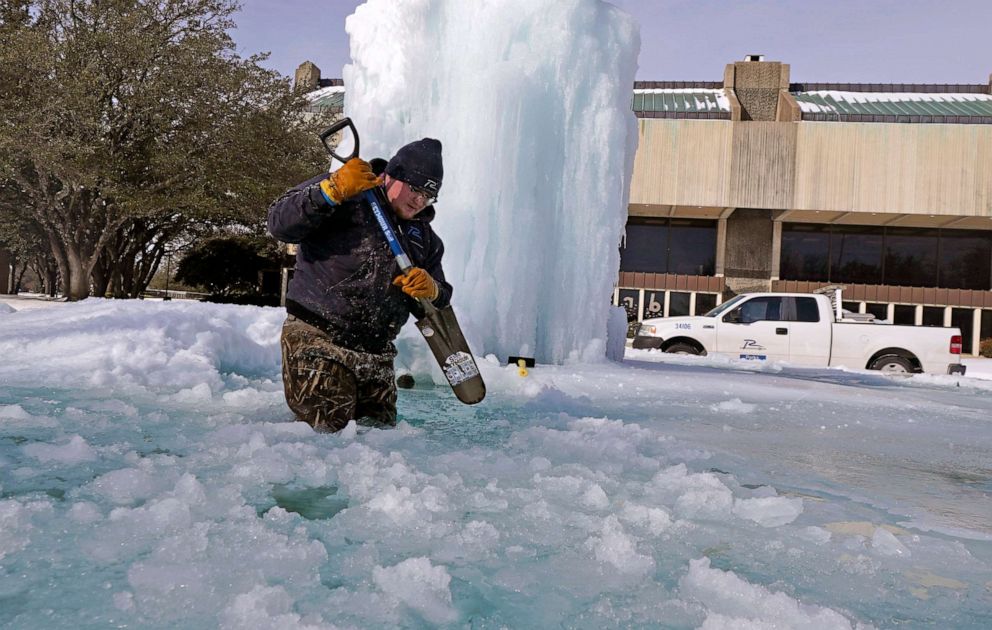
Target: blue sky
883,41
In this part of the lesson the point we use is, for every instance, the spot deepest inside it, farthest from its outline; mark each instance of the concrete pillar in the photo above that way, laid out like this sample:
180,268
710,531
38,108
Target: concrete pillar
776,249
748,257
307,77
976,332
721,241
757,85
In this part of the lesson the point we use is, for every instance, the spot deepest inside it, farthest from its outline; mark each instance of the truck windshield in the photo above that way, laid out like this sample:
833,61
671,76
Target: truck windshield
729,304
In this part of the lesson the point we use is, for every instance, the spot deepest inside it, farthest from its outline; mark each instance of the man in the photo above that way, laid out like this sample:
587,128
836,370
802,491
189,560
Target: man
347,300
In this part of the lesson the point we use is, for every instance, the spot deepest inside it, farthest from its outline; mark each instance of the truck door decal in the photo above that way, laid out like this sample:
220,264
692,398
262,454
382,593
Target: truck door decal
752,344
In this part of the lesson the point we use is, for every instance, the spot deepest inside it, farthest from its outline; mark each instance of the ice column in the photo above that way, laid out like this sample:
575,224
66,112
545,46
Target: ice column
532,102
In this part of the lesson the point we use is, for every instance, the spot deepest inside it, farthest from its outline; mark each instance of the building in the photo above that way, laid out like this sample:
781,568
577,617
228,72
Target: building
756,183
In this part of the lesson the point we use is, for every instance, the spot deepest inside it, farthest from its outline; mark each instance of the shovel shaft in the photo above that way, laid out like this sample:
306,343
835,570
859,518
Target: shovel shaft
387,229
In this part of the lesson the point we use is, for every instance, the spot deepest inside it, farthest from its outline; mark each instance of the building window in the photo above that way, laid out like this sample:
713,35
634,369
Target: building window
953,259
965,259
933,315
856,254
705,302
692,247
679,246
805,252
910,257
645,248
905,315
678,304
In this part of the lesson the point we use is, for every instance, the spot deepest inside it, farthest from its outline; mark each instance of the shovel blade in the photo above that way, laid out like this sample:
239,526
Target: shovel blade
444,337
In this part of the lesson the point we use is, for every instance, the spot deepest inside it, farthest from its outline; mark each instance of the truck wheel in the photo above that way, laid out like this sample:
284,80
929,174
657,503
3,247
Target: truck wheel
682,348
893,364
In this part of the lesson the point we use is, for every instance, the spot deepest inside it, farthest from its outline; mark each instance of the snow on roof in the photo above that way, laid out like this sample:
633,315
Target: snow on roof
325,91
681,99
841,103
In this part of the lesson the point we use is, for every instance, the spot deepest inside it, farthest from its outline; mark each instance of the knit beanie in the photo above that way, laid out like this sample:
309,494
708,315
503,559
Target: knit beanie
418,164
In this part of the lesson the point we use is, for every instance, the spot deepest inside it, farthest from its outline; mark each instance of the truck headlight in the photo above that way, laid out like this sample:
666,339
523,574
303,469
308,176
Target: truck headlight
647,330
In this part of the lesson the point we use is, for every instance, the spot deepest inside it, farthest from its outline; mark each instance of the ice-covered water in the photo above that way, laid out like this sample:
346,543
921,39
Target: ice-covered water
151,476
531,100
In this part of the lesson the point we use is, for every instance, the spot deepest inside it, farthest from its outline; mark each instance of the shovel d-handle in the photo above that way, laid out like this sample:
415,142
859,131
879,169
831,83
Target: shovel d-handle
375,196
325,137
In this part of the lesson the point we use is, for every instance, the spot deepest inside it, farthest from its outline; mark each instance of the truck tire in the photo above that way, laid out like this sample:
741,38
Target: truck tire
682,348
893,364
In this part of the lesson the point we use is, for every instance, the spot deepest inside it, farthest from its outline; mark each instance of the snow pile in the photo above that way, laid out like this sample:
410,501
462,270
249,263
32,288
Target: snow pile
604,495
531,100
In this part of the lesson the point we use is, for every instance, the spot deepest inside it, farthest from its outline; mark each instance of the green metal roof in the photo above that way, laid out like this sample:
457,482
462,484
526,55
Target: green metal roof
691,102
327,98
704,100
911,106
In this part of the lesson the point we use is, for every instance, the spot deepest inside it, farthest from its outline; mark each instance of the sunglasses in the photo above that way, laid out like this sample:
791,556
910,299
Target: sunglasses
425,195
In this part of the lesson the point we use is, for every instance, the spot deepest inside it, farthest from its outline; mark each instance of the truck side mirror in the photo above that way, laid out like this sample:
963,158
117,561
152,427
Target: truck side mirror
733,317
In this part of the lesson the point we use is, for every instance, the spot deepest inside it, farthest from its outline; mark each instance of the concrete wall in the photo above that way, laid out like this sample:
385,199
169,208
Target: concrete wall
940,169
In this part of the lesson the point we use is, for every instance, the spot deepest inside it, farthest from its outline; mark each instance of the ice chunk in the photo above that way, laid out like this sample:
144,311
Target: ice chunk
76,451
615,547
734,405
769,511
885,543
732,602
419,585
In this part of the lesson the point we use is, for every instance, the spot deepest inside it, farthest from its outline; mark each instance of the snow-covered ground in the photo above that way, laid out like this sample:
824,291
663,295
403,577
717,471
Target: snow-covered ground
151,476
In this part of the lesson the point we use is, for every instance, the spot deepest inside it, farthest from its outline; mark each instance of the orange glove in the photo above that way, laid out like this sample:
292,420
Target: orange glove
354,177
417,283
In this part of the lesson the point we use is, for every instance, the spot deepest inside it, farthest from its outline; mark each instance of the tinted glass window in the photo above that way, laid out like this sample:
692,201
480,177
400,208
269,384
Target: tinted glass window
645,248
692,247
910,257
965,259
856,254
905,315
705,302
933,316
678,304
880,311
807,310
805,252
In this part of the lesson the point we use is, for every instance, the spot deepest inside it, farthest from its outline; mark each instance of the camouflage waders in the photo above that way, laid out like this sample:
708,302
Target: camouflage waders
328,385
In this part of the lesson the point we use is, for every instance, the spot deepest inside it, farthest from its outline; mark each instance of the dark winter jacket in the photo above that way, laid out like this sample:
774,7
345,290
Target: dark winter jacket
344,267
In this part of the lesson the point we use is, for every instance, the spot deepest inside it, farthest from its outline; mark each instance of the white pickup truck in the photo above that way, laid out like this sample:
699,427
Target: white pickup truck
809,329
